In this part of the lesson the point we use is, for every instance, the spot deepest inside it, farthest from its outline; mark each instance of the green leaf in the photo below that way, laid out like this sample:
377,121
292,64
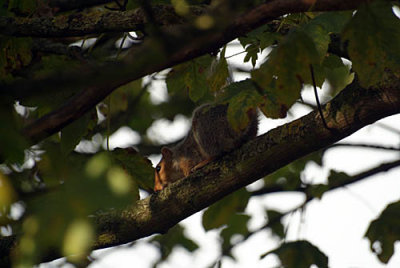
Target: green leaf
237,224
51,99
289,175
72,134
384,231
274,220
121,97
196,77
373,37
256,41
338,74
317,190
282,76
192,77
221,212
242,97
337,178
333,22
299,254
174,237
12,143
139,167
219,73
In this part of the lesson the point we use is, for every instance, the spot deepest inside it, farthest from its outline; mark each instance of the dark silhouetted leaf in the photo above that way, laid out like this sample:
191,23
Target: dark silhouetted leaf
139,167
242,97
221,212
275,224
237,225
300,254
174,237
73,133
282,76
374,37
385,231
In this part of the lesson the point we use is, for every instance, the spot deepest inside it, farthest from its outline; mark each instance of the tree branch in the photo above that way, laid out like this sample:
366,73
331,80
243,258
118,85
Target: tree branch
79,24
332,186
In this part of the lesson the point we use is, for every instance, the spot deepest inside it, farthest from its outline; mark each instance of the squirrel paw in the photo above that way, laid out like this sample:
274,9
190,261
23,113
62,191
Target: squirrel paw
201,164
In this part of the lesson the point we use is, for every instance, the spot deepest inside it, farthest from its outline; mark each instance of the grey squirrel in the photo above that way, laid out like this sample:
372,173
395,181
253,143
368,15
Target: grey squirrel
210,136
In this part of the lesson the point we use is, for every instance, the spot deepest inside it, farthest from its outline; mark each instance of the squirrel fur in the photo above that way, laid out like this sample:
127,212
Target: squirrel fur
210,136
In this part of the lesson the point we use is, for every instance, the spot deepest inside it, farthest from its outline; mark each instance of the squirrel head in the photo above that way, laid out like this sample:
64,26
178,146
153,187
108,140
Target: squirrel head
166,170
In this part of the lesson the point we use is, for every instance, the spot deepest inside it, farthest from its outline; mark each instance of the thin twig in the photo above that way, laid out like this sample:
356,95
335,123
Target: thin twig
369,146
317,99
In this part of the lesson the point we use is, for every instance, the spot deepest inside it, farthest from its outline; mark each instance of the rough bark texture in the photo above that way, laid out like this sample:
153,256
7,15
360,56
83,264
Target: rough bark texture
78,24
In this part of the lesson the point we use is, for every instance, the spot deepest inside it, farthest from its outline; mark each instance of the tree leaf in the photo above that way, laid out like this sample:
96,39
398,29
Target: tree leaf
384,231
256,41
219,73
139,167
333,22
338,74
282,76
242,97
196,77
275,224
289,175
237,225
221,212
174,237
375,49
191,76
299,254
12,143
72,134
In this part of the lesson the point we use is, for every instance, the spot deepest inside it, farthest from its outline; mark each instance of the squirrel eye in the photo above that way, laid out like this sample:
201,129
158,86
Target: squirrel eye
158,168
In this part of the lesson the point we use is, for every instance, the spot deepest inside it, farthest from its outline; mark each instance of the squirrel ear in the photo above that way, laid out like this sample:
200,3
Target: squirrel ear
166,152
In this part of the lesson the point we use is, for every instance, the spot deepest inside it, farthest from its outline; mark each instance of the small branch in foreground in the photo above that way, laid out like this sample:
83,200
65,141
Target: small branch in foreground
358,177
363,145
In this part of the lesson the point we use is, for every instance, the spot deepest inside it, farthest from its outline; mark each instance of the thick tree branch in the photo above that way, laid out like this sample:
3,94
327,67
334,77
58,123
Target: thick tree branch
188,45
79,24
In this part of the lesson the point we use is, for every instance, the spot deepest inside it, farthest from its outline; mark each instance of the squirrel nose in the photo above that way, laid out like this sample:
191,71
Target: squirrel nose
157,187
